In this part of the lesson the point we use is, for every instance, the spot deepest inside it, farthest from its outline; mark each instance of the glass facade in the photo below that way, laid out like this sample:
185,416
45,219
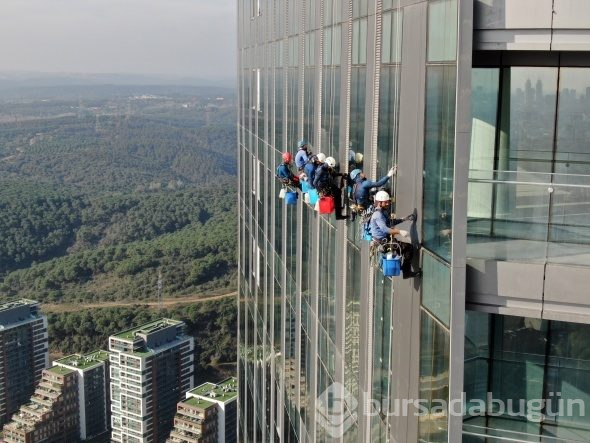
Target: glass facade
536,374
391,81
529,173
314,310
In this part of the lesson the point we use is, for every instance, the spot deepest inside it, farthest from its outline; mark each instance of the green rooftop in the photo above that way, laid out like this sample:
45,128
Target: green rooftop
222,392
147,328
60,370
83,362
201,403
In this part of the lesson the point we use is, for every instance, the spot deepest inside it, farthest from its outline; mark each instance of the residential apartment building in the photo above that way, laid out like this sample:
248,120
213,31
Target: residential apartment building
151,367
92,369
23,353
209,414
52,415
484,106
195,422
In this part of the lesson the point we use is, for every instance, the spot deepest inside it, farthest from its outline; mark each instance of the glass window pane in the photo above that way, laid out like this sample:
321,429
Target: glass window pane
434,379
477,354
439,152
573,115
442,30
519,357
436,289
527,119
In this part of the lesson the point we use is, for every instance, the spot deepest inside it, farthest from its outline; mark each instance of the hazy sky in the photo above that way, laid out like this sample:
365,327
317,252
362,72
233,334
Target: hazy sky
176,37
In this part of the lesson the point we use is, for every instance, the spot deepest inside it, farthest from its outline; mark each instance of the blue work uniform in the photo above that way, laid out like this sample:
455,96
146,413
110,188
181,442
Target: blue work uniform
309,170
322,178
380,225
301,159
362,187
284,173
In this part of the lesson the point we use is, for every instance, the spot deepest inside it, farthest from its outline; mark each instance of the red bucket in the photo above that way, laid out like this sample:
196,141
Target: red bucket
326,205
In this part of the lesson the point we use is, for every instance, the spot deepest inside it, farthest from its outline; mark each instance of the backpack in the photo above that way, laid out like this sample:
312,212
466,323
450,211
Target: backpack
365,223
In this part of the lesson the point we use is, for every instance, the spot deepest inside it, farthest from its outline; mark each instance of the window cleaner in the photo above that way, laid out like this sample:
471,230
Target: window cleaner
302,156
325,181
361,188
284,173
385,236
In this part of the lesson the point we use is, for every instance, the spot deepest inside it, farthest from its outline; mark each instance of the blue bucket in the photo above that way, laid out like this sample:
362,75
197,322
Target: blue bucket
313,196
391,266
291,198
305,187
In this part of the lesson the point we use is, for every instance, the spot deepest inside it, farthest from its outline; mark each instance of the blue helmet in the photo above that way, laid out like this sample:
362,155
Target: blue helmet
301,143
355,173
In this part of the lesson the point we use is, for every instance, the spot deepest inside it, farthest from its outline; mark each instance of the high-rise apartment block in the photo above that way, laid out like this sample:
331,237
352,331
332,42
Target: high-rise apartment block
151,368
93,391
52,413
23,353
208,414
484,105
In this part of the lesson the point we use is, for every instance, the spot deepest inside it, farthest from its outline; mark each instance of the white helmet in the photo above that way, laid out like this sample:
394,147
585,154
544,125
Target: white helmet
382,196
358,158
331,162
322,157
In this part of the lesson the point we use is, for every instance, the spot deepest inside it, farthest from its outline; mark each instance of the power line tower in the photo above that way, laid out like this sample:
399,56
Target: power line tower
159,291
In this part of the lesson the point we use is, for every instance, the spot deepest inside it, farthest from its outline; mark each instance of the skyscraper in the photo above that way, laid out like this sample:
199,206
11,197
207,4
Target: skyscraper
23,353
499,182
151,368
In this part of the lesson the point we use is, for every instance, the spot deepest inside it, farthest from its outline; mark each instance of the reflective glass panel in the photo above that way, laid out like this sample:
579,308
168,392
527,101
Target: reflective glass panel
527,119
434,379
442,30
439,152
436,287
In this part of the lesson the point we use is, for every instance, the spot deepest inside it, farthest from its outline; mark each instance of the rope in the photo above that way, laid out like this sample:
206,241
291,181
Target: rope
396,89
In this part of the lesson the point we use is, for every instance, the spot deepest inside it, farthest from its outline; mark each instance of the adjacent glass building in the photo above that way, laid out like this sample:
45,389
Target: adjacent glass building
484,106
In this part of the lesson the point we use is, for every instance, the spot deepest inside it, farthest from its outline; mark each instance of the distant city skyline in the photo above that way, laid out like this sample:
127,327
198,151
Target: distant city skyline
176,38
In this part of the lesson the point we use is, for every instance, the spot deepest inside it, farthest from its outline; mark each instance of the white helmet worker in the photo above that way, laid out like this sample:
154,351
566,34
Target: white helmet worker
331,162
382,196
322,157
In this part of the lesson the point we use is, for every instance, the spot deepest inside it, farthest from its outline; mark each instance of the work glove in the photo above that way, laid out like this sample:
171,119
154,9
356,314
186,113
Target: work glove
410,217
392,171
403,233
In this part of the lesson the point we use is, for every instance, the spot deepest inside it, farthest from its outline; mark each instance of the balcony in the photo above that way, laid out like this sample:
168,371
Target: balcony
529,217
528,244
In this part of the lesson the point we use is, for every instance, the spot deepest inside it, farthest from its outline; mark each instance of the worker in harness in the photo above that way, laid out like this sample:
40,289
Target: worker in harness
361,188
284,173
302,156
384,234
355,160
329,182
310,168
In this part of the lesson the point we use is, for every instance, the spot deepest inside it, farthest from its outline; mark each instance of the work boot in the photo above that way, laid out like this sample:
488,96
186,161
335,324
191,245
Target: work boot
413,274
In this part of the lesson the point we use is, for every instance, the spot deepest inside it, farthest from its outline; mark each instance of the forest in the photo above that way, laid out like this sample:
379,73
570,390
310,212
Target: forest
100,193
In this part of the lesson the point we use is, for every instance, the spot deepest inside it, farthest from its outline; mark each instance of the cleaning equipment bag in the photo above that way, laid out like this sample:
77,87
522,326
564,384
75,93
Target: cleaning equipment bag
313,196
327,205
390,264
291,198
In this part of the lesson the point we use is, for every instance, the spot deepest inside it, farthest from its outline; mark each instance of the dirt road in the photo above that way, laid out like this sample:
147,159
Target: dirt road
71,307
